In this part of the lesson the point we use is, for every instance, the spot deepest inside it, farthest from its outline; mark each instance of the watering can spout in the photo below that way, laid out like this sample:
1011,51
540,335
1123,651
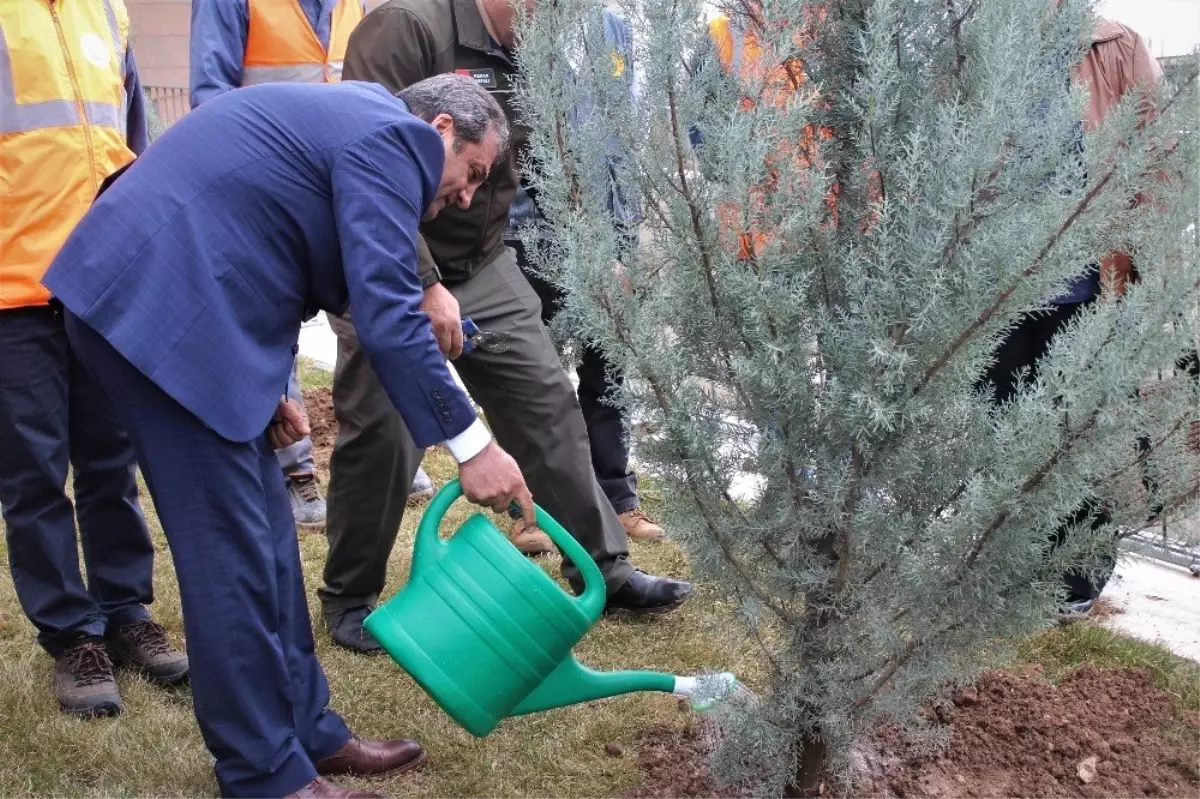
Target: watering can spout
572,683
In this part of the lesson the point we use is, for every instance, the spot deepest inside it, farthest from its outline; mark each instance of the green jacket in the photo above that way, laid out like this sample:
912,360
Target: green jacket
405,41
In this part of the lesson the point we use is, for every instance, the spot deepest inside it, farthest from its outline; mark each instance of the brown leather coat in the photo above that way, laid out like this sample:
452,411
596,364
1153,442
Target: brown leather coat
1118,62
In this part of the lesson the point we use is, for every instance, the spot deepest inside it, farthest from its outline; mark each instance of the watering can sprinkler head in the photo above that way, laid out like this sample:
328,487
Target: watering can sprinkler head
488,634
707,690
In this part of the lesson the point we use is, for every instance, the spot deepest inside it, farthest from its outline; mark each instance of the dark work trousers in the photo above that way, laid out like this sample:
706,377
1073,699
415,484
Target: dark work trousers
53,414
259,694
530,408
606,427
1021,350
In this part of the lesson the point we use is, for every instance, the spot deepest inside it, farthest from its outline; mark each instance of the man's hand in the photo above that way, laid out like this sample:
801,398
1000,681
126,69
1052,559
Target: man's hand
288,425
493,480
441,307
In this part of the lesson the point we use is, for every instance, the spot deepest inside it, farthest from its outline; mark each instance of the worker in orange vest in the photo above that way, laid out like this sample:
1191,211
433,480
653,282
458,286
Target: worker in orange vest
71,114
738,49
243,42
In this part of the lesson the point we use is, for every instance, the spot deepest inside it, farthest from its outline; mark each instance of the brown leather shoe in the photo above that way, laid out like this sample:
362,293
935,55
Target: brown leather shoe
320,788
363,758
530,540
639,527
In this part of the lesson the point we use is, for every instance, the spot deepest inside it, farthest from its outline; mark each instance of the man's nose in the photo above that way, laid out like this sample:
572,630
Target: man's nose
464,197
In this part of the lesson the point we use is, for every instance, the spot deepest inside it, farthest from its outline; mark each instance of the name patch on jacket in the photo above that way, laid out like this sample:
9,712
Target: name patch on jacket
484,77
489,79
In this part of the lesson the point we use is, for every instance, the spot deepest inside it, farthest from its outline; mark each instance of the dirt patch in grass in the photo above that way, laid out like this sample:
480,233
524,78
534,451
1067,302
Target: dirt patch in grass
1097,733
675,765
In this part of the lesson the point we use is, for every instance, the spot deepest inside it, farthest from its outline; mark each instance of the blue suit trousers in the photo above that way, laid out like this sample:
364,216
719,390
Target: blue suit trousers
260,695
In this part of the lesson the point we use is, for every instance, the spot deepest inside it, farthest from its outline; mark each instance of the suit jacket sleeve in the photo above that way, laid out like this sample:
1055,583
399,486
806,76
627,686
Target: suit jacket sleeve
380,190
394,48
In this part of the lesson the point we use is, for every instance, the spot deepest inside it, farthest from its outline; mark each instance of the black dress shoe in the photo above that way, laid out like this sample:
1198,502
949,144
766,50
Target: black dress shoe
645,593
346,629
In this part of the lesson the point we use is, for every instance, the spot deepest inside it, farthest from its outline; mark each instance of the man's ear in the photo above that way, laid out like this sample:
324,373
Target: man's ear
444,124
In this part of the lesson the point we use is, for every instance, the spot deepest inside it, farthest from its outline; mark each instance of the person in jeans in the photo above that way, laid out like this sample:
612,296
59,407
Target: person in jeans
52,414
607,427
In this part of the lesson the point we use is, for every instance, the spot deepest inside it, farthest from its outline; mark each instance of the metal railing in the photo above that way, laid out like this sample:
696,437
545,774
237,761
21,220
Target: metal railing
168,105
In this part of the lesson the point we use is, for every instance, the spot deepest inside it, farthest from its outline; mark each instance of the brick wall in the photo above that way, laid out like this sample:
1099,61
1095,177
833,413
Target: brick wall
160,40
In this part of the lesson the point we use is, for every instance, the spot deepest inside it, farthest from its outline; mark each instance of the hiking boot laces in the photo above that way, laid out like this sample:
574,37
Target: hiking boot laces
306,488
89,664
148,636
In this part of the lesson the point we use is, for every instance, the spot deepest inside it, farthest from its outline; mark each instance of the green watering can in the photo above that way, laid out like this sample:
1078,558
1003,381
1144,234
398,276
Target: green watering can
488,634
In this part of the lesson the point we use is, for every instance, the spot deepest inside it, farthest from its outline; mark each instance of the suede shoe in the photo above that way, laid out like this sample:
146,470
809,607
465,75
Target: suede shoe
645,593
84,682
530,540
368,758
308,506
1075,609
422,489
639,526
324,789
346,630
143,646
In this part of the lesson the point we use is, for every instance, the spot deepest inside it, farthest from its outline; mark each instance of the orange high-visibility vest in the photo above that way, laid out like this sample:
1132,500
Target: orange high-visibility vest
741,57
63,113
282,46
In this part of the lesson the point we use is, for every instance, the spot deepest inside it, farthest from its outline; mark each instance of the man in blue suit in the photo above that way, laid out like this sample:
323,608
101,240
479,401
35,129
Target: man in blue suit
185,286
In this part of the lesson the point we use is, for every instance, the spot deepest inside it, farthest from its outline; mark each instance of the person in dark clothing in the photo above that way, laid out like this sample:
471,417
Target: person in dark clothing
1118,62
467,272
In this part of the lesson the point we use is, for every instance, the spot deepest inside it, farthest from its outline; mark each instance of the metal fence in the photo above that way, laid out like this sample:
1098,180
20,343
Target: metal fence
168,104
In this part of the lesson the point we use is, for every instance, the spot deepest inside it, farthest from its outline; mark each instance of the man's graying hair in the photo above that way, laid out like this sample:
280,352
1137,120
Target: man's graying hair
473,110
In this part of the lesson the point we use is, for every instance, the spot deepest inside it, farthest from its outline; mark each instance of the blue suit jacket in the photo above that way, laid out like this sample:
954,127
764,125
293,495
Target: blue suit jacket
252,213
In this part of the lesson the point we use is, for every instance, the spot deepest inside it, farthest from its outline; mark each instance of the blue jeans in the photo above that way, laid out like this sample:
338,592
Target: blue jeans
297,458
53,414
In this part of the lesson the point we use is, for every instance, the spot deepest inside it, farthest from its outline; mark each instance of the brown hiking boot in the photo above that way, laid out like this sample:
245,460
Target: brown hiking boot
639,527
84,681
530,540
143,646
320,788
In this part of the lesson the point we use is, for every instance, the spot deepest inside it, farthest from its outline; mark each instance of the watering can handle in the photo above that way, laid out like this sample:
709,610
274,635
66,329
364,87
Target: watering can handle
428,542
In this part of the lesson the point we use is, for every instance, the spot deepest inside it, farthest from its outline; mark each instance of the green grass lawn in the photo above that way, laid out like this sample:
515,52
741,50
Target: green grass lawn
155,748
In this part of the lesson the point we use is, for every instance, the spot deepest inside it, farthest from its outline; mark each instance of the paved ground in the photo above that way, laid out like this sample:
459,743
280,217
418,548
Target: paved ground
1158,602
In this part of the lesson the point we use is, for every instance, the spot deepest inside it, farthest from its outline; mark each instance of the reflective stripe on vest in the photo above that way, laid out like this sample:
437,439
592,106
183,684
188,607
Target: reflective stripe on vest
17,117
281,45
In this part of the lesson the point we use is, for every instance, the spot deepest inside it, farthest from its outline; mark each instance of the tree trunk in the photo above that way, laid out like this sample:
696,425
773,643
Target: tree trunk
810,770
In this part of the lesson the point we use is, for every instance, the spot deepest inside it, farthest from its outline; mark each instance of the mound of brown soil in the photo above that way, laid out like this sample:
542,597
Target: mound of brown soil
1098,733
318,402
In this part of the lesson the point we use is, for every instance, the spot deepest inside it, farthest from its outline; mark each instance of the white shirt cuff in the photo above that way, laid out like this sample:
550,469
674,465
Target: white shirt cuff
470,442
